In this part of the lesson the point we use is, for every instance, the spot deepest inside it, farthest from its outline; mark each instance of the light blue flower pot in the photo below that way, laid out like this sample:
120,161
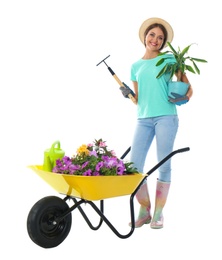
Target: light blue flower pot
178,87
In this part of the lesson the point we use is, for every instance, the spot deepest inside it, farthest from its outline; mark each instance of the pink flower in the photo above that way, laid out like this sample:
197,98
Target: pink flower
102,144
113,153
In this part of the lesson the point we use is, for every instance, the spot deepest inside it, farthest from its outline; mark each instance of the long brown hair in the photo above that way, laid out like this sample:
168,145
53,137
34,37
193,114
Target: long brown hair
154,25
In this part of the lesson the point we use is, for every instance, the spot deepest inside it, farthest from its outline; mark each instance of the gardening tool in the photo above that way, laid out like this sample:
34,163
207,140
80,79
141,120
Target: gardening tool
122,84
51,155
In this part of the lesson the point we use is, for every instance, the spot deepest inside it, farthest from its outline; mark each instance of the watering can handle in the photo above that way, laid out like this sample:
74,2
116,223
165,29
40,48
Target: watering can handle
53,146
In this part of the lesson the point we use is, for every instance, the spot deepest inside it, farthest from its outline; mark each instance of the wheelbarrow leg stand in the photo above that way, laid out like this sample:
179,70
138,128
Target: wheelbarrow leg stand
100,211
85,216
104,218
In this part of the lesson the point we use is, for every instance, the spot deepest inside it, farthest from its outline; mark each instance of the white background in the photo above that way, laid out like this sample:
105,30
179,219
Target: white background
51,89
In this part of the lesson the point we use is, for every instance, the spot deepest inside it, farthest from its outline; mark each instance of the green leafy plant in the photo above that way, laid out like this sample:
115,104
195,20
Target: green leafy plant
181,65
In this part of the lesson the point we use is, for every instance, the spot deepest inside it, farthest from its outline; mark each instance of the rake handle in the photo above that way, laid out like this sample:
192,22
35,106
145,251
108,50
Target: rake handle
130,96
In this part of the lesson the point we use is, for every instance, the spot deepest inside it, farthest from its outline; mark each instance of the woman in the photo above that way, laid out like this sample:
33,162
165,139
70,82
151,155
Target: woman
157,116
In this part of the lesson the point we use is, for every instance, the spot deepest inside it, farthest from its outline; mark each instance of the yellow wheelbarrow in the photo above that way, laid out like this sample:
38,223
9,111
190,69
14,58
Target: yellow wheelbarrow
49,220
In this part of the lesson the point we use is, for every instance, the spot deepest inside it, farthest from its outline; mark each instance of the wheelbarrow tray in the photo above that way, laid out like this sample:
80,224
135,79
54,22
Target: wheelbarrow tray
91,187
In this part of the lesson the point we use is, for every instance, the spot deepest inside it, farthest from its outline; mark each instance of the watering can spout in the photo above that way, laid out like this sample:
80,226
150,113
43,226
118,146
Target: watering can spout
51,155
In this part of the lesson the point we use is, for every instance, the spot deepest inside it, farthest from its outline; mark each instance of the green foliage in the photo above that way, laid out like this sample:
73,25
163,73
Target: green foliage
181,65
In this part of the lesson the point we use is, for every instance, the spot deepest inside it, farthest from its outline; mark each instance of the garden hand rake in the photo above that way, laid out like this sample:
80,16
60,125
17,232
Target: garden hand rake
122,84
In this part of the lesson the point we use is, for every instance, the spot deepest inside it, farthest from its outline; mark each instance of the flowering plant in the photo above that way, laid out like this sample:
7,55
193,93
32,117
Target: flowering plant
94,160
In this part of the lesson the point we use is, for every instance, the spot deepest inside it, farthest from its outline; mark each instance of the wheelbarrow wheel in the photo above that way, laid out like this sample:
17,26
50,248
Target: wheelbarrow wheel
42,226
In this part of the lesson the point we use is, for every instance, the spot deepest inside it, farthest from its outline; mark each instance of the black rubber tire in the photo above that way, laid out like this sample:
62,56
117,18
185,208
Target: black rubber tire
41,228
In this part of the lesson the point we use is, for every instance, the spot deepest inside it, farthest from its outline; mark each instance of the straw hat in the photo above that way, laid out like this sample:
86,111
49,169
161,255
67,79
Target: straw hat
153,20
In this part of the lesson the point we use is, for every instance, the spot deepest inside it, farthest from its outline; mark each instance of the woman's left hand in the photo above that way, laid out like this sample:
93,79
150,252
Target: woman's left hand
179,99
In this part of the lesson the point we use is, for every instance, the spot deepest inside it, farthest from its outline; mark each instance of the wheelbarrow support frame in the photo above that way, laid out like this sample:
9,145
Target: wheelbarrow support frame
100,210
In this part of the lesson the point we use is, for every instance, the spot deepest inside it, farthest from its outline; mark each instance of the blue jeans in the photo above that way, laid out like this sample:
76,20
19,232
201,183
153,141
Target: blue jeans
164,128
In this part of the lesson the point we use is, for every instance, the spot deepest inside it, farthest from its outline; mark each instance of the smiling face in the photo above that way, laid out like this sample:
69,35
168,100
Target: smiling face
155,37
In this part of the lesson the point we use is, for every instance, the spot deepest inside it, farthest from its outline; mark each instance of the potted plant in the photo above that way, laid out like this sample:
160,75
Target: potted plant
178,68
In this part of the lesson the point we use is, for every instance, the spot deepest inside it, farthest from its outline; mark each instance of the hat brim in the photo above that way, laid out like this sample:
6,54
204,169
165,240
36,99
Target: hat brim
153,20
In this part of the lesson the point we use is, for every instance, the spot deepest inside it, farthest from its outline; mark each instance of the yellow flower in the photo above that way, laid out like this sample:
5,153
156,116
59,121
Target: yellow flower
83,149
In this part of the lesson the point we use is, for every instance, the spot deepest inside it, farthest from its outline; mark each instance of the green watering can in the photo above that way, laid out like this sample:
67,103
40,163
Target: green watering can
51,155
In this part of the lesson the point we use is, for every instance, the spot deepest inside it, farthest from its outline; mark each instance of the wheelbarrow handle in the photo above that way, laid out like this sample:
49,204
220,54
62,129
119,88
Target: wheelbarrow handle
181,150
125,154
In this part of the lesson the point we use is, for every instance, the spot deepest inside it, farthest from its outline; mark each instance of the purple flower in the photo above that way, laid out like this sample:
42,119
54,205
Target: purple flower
58,163
93,153
85,164
73,168
105,157
95,174
55,169
112,162
64,167
120,170
66,160
87,173
99,166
